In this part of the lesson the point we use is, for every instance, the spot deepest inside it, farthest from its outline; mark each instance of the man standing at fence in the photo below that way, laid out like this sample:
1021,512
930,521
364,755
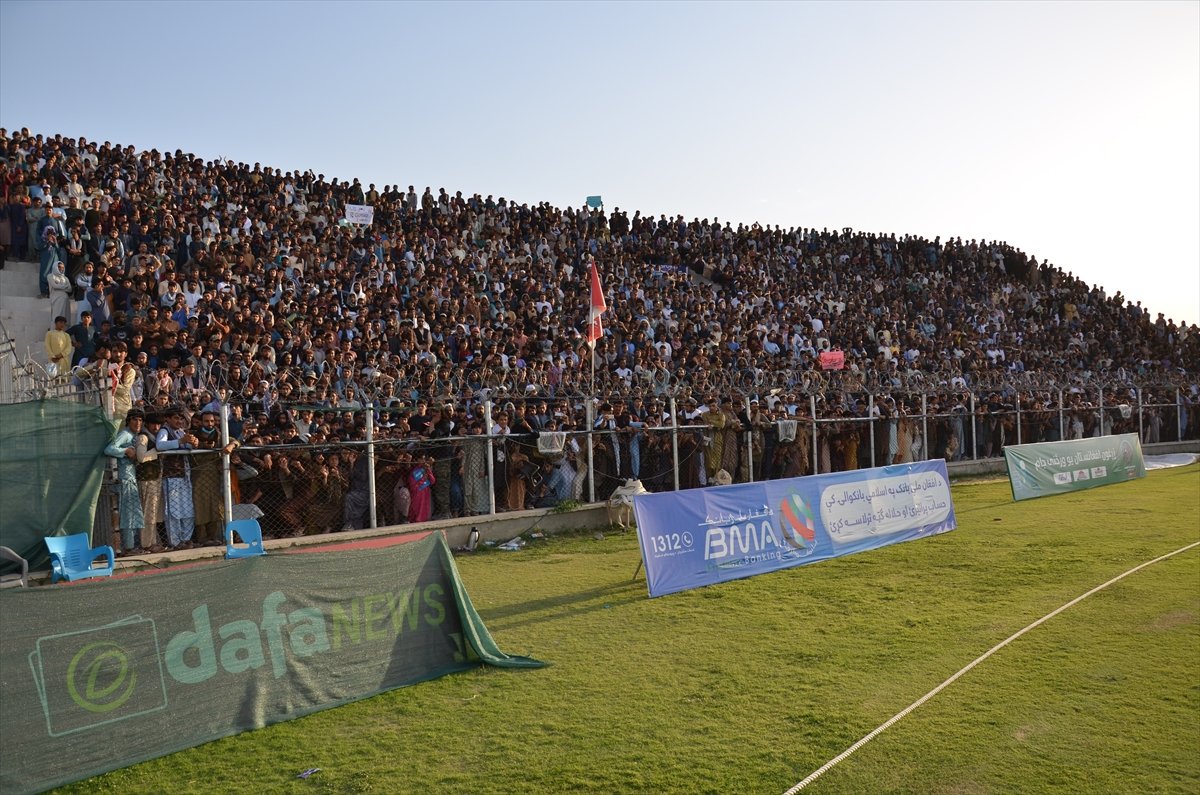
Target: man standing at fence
358,498
178,511
83,338
58,348
129,504
206,481
149,481
441,427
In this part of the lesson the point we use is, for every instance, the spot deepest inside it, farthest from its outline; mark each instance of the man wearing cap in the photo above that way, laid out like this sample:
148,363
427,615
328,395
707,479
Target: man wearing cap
129,503
178,511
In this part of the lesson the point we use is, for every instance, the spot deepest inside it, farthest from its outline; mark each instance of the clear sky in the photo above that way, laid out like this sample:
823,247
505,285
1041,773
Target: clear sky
1070,130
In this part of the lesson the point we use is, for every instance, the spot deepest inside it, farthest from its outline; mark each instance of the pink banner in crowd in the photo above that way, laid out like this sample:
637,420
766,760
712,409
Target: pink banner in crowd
832,360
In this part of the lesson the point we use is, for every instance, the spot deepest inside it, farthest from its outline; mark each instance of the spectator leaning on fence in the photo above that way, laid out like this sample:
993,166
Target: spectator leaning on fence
178,510
129,505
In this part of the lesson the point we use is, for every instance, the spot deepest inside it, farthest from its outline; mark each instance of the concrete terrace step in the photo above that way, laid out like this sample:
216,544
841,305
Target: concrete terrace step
26,317
19,278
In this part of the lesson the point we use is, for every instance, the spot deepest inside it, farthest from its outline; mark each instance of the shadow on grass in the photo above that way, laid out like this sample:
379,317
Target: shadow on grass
991,506
536,611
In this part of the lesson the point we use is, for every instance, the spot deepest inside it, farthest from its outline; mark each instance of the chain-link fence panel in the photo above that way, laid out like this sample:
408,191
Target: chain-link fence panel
549,449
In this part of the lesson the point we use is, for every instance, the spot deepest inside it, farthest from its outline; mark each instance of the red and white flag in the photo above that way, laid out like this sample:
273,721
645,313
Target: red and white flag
595,329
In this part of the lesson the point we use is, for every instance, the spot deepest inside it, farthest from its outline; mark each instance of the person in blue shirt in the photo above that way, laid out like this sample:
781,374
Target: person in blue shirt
83,338
50,252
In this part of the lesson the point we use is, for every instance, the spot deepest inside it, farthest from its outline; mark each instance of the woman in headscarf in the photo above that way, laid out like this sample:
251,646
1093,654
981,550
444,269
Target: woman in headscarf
60,291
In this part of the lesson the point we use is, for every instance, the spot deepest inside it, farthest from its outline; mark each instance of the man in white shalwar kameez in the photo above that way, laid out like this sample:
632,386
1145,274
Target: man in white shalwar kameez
178,512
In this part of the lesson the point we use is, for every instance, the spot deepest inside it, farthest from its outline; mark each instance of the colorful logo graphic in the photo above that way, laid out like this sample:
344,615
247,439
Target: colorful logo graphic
797,523
1126,453
100,675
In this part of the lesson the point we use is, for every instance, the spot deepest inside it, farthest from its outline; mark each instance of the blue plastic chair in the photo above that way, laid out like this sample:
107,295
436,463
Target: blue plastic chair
249,533
72,558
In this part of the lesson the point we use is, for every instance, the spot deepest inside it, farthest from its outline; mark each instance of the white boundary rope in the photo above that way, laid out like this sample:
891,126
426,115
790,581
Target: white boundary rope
884,726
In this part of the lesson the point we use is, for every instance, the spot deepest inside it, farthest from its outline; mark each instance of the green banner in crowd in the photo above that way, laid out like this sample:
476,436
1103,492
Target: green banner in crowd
101,675
1038,470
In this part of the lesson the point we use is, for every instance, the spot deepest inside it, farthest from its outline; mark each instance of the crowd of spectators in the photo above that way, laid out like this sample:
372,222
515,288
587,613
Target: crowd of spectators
197,283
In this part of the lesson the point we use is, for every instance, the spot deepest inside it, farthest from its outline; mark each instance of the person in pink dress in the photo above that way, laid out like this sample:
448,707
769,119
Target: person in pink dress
420,489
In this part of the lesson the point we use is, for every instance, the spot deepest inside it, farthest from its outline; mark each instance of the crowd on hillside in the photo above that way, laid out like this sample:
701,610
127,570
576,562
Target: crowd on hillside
197,283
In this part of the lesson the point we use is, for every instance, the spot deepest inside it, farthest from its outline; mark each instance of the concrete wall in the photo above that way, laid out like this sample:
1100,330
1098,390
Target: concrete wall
26,317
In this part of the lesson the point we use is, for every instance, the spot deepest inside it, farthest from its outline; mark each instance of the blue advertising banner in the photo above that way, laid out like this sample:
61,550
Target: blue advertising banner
704,536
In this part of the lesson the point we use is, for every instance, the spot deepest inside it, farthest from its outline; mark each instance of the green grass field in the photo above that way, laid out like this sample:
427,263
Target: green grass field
751,685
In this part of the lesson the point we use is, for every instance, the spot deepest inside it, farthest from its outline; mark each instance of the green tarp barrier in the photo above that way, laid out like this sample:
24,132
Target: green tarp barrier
1038,470
51,465
100,675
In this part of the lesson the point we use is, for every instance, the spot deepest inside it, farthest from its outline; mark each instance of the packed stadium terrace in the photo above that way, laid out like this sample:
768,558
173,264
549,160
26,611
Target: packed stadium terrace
245,284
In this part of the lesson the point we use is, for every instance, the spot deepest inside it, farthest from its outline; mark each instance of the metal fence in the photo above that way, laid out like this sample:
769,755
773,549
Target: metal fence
814,423
308,489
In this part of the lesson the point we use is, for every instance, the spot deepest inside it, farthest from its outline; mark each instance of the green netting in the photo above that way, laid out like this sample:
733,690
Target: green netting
99,675
51,466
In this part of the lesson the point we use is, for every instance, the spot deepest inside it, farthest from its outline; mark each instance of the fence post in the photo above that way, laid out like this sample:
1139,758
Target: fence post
812,404
491,457
925,427
674,439
106,393
591,424
1180,427
871,424
1018,417
749,443
1100,410
974,443
226,480
1062,427
1141,427
371,465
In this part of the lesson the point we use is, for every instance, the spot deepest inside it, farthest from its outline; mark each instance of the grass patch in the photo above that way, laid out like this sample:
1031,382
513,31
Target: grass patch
750,685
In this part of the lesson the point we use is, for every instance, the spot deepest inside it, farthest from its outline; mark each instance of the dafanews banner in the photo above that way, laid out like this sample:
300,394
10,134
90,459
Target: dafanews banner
704,536
100,675
1037,470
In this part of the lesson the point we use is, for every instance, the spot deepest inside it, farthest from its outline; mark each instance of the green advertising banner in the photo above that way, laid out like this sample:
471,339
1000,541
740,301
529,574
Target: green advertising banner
51,464
1038,470
100,675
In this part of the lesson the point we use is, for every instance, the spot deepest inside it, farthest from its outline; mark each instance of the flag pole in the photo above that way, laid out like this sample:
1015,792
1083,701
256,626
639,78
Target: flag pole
596,309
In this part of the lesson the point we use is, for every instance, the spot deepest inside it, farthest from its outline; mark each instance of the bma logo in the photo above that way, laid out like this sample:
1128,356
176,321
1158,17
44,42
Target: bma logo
749,541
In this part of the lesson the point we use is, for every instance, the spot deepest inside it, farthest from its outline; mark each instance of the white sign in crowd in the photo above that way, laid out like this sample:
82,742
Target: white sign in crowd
360,214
